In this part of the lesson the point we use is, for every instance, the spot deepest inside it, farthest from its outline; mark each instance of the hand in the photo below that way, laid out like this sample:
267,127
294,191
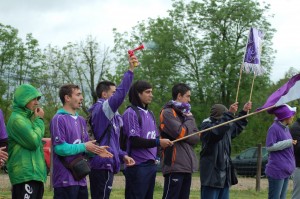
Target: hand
234,107
2,162
165,143
39,112
188,114
294,142
128,161
99,150
133,62
3,154
247,106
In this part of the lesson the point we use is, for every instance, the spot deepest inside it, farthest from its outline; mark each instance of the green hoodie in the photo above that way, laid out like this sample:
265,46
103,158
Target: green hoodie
25,132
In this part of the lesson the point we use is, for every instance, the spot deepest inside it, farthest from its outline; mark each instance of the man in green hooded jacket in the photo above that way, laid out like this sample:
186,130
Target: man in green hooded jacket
25,128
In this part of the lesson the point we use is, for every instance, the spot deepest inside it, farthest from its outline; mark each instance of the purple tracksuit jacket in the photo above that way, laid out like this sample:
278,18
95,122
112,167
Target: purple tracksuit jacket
105,112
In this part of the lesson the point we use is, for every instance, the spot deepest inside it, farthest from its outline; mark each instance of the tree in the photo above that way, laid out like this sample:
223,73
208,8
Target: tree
222,27
27,66
81,63
203,44
9,42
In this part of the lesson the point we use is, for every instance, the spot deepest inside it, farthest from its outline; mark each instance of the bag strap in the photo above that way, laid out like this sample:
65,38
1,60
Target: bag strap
108,128
136,110
108,132
62,158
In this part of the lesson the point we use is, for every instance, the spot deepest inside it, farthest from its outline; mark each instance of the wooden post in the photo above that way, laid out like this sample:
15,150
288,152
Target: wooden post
258,163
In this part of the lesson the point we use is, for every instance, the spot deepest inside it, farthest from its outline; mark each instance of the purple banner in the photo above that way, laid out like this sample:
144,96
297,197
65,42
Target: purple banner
253,52
286,93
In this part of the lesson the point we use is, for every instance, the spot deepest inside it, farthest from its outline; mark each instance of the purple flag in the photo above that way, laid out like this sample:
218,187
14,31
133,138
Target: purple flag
288,92
253,52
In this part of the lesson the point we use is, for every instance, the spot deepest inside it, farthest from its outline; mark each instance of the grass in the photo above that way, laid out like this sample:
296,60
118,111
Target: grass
119,193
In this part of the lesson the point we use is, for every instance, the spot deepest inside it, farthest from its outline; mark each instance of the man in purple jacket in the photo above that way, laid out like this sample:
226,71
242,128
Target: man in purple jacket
143,141
70,140
3,140
106,123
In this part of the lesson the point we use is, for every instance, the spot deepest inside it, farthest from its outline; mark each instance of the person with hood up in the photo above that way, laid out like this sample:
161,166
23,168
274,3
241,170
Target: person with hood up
215,161
26,164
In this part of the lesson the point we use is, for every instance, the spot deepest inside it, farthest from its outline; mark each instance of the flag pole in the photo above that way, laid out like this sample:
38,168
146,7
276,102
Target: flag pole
241,69
222,124
238,88
252,89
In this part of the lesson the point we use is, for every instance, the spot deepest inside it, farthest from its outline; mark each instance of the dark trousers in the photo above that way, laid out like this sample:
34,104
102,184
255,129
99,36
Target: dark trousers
140,181
177,186
71,192
101,183
30,189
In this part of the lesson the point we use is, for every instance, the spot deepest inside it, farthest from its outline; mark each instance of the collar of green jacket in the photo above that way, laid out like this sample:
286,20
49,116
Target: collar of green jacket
24,94
64,112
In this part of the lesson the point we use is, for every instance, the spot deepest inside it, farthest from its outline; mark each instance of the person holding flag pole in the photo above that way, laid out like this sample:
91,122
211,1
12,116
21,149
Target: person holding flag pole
285,94
216,169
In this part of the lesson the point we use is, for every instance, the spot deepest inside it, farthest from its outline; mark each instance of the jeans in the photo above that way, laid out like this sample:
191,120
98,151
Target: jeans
277,188
214,193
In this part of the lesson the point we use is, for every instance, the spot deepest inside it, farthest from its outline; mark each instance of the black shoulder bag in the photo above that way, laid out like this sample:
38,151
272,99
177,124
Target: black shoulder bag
79,167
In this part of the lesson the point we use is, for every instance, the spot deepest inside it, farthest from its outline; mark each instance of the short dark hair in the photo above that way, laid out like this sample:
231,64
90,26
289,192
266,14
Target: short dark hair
103,86
138,87
179,88
66,89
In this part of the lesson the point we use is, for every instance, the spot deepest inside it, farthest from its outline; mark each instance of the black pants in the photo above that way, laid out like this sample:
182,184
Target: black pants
177,186
101,183
71,192
140,181
30,189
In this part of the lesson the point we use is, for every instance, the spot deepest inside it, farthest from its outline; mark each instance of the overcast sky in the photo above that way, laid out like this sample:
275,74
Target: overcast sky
57,22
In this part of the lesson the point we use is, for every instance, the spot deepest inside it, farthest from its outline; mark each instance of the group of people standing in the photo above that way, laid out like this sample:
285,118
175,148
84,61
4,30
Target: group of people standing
71,140
145,140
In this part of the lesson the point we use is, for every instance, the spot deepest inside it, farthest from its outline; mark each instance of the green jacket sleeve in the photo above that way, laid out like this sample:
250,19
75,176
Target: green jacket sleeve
27,135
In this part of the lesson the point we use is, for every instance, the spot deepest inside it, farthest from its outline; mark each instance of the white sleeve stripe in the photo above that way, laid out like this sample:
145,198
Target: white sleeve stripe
107,110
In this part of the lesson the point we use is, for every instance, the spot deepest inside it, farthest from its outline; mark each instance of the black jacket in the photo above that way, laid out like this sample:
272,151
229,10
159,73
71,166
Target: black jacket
216,149
295,132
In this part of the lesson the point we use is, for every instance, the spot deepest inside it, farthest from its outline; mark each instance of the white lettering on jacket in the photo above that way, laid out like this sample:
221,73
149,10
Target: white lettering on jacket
151,135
